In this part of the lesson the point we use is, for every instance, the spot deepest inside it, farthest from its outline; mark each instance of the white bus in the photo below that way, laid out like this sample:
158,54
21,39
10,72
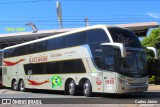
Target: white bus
100,58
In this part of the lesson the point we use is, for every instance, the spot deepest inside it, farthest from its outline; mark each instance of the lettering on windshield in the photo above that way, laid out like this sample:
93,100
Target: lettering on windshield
122,39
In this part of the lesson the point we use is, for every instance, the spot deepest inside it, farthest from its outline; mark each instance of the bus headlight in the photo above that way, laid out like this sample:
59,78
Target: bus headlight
123,82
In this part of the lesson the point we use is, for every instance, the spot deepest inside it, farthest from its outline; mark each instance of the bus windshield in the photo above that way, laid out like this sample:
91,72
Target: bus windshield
108,58
125,36
134,65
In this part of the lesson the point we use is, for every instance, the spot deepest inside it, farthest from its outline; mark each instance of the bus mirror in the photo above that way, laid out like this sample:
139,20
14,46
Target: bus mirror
155,51
120,45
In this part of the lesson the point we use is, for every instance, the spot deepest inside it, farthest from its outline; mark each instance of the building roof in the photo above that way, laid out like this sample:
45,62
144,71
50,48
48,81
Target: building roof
6,40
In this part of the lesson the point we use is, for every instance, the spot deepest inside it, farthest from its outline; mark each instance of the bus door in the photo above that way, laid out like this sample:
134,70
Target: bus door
28,68
29,79
109,80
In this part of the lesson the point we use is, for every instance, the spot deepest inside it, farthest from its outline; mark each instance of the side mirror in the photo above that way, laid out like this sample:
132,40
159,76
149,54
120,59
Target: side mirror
155,51
120,45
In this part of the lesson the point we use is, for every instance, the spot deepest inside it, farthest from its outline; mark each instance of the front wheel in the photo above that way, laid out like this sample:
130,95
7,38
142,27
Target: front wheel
87,89
72,88
15,85
22,86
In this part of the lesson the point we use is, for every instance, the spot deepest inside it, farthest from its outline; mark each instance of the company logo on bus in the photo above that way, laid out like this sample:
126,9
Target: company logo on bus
98,50
41,58
98,81
122,39
9,63
56,81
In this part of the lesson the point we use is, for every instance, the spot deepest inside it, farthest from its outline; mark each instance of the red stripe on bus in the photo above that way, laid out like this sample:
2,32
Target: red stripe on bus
8,63
32,82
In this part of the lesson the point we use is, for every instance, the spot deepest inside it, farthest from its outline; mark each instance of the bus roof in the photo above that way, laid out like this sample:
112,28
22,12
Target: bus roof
58,35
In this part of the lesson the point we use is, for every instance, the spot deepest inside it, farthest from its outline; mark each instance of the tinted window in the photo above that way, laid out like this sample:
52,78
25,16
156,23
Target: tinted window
124,36
97,36
21,50
42,46
103,56
109,62
12,52
6,53
32,48
53,68
59,67
99,61
1,53
35,68
77,39
68,66
60,42
100,50
80,66
50,44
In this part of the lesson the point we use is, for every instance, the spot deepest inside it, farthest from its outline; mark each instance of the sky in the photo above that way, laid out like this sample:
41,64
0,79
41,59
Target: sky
14,14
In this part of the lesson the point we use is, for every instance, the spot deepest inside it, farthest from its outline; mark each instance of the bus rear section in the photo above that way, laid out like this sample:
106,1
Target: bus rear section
1,57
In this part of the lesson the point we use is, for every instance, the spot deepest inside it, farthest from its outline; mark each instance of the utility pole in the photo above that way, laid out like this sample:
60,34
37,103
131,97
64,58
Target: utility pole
87,21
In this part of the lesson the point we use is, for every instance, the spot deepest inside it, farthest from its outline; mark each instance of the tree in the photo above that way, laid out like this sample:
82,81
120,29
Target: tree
153,40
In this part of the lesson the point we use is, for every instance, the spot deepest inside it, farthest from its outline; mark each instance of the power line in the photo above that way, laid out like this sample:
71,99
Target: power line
78,20
109,0
29,1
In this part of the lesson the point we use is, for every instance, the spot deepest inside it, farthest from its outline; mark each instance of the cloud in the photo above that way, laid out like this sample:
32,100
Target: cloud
154,15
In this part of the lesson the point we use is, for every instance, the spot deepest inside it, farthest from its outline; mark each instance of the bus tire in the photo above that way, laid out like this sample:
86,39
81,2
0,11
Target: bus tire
72,88
14,85
22,86
87,88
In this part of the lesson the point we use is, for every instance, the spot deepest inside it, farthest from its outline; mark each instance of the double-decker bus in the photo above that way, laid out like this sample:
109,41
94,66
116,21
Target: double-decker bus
100,58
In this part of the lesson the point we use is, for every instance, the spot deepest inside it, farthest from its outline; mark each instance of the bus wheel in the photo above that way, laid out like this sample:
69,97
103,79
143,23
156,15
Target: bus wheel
15,85
22,86
87,89
72,88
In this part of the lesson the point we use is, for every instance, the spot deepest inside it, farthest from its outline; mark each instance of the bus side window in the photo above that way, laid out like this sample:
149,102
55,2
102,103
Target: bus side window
12,52
21,50
76,39
42,46
99,61
50,44
97,36
60,42
53,68
68,66
32,48
6,53
80,66
109,63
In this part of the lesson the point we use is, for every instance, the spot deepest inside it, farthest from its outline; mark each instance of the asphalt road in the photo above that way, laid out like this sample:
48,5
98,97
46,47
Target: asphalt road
58,97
